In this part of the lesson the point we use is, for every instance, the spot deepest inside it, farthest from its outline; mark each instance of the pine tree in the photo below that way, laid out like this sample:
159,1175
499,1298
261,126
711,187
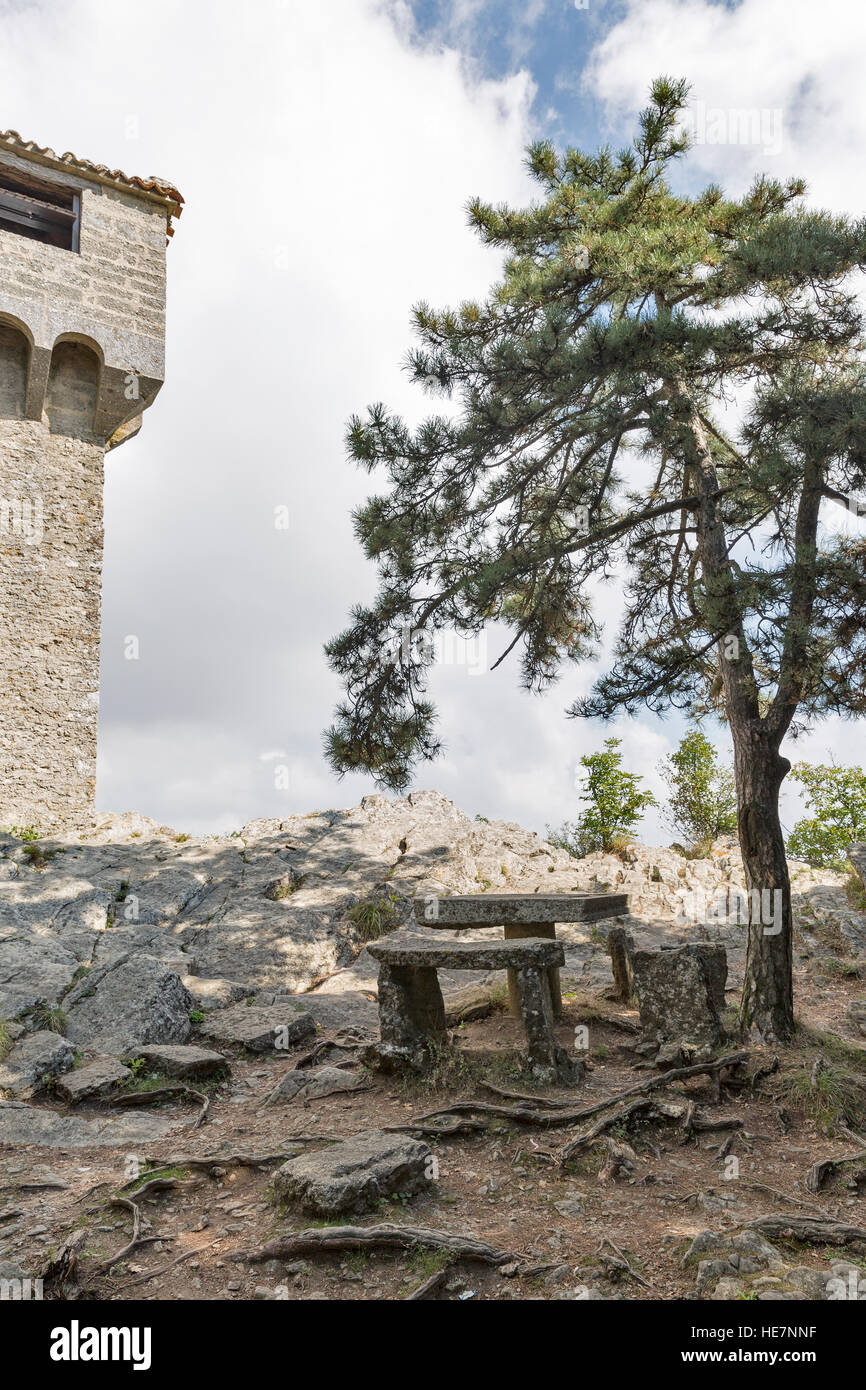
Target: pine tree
592,439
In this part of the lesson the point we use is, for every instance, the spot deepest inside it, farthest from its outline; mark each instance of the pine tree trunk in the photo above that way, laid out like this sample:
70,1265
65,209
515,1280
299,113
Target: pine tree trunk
767,1011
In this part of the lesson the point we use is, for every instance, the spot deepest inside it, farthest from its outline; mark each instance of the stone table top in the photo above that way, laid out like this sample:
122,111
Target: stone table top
516,909
450,953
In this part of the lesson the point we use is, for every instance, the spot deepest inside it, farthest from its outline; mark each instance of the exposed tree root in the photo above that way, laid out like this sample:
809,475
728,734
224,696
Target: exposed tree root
648,1107
760,1187
156,1186
617,1261
555,1118
60,1272
319,1240
130,1098
824,1169
810,1229
542,1102
103,1266
210,1162
429,1288
163,1269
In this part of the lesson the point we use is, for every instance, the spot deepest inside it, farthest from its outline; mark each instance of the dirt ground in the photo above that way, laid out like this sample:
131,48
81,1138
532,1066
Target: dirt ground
502,1186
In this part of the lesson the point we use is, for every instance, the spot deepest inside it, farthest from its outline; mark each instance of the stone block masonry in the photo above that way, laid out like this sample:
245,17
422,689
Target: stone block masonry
82,324
49,636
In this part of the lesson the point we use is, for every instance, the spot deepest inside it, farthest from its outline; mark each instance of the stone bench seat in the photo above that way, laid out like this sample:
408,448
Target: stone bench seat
453,954
521,915
412,1011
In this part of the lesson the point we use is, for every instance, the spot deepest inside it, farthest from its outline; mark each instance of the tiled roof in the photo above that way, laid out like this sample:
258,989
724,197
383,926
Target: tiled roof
11,140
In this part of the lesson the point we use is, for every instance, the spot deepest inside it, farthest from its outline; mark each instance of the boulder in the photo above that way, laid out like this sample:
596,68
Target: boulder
127,1003
33,1061
355,1174
208,994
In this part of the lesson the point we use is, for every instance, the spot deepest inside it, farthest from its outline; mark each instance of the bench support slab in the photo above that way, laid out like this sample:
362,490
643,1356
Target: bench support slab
411,1013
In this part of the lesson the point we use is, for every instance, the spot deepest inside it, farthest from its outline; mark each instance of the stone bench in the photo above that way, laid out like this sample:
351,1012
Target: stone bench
521,915
412,1011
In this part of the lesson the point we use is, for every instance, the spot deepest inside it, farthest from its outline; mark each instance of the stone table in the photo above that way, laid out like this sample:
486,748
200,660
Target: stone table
521,915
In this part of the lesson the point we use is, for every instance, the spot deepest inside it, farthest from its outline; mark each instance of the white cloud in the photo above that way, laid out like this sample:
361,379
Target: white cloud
326,163
326,157
758,56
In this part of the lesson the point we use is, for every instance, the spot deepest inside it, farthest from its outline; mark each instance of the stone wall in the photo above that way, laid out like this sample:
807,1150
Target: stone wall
50,570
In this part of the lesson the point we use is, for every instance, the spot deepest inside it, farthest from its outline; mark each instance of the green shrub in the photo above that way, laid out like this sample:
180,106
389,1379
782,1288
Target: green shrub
837,798
614,805
702,802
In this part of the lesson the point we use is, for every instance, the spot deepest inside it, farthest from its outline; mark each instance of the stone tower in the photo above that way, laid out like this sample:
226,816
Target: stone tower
82,333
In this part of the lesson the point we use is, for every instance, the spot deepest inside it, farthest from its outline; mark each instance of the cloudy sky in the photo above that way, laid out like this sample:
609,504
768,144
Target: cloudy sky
326,152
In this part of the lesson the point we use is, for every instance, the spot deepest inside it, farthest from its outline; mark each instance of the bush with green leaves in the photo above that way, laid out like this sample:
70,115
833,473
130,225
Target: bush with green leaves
836,796
614,804
702,801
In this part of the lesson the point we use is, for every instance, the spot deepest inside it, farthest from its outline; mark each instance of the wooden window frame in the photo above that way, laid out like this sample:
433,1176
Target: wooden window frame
48,213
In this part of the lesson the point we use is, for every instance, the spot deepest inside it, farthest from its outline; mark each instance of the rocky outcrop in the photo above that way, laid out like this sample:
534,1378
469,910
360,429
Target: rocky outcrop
271,1029
131,1001
94,1080
733,1266
35,1060
310,1083
129,928
183,1062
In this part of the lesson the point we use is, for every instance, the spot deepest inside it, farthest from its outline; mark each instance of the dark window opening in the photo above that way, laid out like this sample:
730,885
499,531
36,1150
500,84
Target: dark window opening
41,211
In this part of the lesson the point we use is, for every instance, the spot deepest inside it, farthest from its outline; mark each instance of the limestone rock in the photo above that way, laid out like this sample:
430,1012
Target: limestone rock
208,994
741,1245
272,1029
163,895
857,1015
355,1174
92,1081
309,1082
182,1060
126,1003
31,967
22,1124
35,1059
857,855
344,1010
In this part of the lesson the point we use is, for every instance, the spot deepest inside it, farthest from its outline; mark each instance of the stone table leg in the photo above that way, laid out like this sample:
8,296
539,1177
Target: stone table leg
515,932
620,947
411,1011
548,1062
